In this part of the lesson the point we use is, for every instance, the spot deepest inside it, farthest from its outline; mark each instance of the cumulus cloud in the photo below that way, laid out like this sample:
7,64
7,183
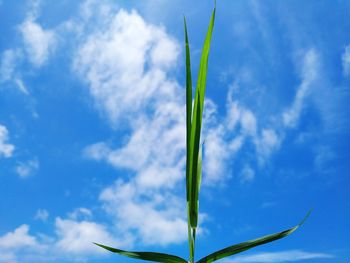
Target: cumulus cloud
39,42
18,240
6,149
76,237
154,154
124,65
279,257
72,241
156,216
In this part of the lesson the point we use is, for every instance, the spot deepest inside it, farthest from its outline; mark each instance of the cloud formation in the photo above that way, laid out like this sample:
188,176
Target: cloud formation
38,42
6,149
28,168
309,74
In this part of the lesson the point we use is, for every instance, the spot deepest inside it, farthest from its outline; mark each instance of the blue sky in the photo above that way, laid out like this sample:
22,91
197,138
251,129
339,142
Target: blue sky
92,128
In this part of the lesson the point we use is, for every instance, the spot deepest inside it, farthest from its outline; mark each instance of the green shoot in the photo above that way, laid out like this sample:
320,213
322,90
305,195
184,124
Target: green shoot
194,118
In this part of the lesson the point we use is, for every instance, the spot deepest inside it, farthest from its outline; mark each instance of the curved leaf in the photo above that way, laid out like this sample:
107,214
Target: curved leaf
149,256
229,251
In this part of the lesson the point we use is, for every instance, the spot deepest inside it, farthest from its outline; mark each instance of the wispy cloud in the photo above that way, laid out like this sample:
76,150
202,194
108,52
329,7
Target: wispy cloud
247,174
8,64
28,168
309,73
346,61
6,149
42,215
279,257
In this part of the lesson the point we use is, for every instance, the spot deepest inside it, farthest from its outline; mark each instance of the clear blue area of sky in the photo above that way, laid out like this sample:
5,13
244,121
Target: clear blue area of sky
286,65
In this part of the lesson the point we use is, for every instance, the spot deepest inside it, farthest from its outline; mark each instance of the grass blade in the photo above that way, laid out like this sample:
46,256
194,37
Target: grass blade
188,109
197,125
191,240
149,256
231,250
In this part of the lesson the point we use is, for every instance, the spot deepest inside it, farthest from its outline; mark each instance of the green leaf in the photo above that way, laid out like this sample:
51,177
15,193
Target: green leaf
228,251
149,256
191,241
188,108
196,126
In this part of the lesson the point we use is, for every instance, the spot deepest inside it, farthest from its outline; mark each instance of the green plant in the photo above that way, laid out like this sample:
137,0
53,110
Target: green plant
194,170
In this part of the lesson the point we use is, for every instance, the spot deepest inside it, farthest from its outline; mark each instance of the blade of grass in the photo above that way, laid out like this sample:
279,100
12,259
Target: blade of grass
148,256
231,250
197,124
188,133
188,106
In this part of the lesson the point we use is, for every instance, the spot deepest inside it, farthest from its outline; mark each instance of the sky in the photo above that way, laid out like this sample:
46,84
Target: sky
92,128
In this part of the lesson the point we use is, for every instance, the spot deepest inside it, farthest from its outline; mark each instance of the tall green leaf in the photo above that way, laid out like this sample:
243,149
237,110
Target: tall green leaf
235,249
188,108
148,256
196,125
191,241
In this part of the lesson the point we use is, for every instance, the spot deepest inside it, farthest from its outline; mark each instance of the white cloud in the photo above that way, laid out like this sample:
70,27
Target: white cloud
19,238
248,122
38,42
247,174
73,241
8,64
42,215
21,86
25,169
124,65
6,149
77,237
80,212
224,141
9,61
154,153
157,217
309,73
279,257
16,245
216,152
266,144
346,61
